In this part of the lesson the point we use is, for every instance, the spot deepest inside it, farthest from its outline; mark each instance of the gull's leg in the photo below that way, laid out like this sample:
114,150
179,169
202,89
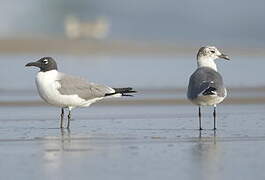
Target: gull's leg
69,118
214,118
62,115
200,119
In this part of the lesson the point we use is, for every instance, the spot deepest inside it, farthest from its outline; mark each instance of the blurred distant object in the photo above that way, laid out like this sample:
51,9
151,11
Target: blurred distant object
236,23
76,29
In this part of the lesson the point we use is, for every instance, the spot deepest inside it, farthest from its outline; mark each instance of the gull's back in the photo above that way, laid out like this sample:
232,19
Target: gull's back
203,79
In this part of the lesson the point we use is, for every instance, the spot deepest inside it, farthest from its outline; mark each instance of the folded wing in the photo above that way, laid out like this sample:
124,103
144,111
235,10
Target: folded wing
205,81
71,85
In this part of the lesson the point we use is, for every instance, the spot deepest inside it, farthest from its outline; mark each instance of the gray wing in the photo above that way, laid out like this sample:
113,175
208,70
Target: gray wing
204,81
71,85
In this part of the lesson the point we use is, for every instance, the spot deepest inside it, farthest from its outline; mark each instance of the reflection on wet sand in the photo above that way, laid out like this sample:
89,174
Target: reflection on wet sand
205,154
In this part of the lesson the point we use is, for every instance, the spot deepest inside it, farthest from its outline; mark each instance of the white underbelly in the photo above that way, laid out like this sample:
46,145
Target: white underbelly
209,100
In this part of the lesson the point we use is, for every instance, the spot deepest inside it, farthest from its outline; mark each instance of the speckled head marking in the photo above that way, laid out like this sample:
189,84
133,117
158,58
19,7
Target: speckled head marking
45,64
210,52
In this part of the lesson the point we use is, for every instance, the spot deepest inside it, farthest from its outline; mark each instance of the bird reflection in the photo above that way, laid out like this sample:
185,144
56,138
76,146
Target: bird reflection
65,137
205,155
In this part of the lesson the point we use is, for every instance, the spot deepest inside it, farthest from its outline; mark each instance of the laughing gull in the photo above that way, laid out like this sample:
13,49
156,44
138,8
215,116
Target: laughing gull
68,91
206,87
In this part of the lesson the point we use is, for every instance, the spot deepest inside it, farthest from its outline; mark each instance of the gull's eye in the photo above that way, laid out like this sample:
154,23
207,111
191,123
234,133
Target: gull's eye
45,61
212,51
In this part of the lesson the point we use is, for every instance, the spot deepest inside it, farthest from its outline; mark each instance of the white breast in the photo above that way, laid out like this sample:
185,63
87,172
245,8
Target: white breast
206,62
47,84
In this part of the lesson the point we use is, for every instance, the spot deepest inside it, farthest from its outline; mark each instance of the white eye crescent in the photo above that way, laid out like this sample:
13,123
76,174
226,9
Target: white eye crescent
45,61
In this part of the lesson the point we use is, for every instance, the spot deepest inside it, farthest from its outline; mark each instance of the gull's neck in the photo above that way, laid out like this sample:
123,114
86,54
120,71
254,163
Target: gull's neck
53,72
206,62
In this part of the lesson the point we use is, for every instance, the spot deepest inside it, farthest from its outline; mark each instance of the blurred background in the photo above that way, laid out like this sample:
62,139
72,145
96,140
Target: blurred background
149,44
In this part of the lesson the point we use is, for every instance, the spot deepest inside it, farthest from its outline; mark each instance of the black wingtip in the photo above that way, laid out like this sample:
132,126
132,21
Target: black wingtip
123,91
209,91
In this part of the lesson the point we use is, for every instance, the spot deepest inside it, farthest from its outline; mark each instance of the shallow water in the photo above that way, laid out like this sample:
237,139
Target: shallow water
132,142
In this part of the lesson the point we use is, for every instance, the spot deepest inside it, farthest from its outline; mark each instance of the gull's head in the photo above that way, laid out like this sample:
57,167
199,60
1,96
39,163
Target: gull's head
211,53
206,56
45,64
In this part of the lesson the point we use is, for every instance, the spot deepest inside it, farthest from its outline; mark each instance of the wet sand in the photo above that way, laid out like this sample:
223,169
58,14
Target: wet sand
133,142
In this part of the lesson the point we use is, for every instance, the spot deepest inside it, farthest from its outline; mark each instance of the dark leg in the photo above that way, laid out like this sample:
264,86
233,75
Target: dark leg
62,115
200,119
214,117
69,118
